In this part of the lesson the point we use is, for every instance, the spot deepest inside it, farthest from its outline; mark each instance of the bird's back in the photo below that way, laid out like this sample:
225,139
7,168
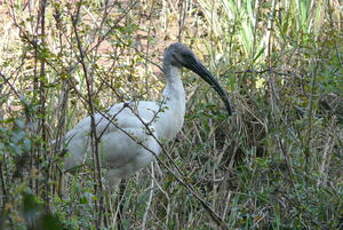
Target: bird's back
125,142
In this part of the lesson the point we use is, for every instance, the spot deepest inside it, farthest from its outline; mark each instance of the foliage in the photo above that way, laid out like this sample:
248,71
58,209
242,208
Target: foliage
275,164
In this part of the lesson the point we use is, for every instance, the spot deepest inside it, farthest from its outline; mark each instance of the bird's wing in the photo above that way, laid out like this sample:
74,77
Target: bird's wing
113,126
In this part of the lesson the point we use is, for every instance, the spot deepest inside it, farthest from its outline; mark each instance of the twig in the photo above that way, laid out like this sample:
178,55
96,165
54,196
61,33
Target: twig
94,138
217,219
146,213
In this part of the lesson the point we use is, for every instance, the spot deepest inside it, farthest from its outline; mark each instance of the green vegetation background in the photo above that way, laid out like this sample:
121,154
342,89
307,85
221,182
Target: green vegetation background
275,164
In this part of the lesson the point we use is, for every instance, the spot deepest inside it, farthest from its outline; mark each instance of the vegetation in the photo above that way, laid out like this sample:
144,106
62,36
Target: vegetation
275,164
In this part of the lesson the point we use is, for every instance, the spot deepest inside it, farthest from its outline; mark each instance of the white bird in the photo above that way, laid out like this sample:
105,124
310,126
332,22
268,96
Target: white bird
130,132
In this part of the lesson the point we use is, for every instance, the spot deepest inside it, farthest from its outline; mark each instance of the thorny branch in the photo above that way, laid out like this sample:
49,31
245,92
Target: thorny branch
217,219
93,134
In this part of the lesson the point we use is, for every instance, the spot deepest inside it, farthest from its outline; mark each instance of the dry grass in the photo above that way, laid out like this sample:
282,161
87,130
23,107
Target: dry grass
275,164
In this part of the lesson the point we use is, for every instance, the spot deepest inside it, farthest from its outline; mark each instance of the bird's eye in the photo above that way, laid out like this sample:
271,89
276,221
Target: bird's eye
187,55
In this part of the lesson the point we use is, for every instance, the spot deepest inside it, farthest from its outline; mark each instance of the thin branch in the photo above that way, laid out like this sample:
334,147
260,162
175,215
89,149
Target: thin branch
94,138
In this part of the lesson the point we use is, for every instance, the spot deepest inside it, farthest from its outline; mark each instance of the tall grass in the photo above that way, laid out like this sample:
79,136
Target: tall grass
275,164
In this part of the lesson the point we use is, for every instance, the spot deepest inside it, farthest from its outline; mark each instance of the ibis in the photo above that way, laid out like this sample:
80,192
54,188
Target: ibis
130,133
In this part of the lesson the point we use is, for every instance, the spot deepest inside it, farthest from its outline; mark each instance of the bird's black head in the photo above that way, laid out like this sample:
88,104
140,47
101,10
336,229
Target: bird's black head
179,55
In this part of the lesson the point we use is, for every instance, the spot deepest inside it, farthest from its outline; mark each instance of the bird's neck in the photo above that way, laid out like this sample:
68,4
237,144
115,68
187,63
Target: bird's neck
174,91
171,119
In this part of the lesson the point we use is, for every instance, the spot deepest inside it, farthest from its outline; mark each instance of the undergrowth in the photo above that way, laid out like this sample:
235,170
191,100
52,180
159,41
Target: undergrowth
275,164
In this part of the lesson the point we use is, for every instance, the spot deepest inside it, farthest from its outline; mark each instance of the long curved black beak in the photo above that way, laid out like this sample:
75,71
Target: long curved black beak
201,70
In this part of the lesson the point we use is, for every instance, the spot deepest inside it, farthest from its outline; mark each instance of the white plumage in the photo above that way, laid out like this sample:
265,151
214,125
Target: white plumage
145,121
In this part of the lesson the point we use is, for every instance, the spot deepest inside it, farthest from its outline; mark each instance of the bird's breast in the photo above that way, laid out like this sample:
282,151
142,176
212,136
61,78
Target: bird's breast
170,121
